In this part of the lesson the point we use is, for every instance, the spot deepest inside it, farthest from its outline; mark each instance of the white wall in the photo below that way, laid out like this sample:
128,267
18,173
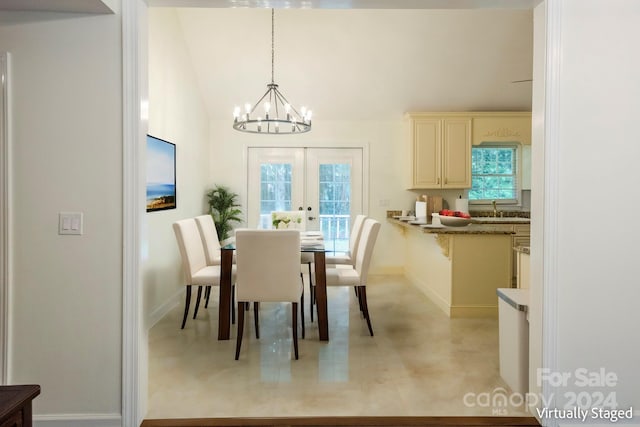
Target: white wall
597,156
387,160
66,291
176,114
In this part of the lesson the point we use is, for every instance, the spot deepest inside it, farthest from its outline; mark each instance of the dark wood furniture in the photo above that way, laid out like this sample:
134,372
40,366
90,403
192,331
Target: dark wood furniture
224,310
15,405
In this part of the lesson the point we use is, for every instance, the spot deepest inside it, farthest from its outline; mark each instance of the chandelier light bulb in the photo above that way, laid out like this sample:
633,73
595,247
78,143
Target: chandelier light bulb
247,108
236,113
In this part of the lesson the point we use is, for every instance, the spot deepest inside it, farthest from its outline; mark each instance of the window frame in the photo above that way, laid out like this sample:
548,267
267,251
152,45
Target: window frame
518,175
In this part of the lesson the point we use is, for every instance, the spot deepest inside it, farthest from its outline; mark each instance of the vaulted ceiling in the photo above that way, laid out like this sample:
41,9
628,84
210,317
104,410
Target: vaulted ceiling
363,64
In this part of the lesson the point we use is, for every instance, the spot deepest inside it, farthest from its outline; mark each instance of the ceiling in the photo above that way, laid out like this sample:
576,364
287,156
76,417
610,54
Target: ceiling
76,6
362,64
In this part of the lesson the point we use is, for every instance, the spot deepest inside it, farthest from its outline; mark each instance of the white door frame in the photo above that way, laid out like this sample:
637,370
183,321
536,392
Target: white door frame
134,346
5,220
134,129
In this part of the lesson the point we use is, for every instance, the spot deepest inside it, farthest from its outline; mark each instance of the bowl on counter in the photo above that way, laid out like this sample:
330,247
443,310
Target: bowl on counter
454,221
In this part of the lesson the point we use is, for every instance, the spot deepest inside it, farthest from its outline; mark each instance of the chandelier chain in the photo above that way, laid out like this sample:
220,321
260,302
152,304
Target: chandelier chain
273,49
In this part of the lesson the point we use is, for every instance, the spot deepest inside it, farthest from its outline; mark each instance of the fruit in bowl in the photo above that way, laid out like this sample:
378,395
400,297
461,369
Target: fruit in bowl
457,214
454,218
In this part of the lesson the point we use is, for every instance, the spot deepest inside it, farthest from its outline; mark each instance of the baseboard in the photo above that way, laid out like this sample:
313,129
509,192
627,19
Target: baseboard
78,420
161,311
390,270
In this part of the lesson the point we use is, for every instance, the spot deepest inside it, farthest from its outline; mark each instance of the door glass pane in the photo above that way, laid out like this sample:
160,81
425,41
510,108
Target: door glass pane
335,208
275,194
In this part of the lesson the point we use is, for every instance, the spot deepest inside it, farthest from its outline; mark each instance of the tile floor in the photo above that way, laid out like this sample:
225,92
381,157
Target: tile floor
419,363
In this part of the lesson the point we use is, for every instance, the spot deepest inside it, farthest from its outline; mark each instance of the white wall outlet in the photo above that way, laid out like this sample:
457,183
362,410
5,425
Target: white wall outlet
384,203
70,223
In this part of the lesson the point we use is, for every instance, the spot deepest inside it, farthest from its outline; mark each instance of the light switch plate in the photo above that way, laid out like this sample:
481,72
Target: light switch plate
70,223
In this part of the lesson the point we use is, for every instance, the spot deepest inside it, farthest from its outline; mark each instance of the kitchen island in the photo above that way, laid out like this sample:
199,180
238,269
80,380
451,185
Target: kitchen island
459,268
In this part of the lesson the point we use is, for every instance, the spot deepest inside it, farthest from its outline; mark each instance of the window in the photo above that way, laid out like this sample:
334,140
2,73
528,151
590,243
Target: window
494,174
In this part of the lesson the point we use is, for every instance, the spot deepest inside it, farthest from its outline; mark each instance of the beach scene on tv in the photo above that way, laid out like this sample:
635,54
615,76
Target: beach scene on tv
161,173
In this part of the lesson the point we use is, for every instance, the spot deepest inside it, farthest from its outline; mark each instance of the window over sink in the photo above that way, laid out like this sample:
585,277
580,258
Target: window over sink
495,174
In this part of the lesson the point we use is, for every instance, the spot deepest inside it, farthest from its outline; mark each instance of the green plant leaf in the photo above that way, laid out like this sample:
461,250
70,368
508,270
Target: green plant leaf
224,208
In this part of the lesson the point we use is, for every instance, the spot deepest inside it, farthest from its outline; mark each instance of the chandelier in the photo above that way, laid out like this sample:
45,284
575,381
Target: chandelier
279,115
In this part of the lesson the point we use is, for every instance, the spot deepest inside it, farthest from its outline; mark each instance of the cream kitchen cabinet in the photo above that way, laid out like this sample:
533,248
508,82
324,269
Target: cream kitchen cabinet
441,148
502,127
521,237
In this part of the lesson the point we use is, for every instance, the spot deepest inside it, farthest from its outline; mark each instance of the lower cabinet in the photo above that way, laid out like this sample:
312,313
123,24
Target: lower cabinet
521,237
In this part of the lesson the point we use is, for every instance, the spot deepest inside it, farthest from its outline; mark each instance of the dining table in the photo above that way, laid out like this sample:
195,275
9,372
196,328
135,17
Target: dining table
309,243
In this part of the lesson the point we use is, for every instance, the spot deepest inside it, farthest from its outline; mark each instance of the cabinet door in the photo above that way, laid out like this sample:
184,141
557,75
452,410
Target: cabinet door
456,153
426,153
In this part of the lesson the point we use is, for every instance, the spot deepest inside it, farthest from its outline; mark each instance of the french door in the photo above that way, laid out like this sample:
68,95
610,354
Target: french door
326,183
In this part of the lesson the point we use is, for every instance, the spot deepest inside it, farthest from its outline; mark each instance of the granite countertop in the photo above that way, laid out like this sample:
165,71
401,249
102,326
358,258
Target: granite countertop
469,229
500,220
522,249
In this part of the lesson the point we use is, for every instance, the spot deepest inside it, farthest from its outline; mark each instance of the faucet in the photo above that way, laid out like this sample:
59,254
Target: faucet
495,208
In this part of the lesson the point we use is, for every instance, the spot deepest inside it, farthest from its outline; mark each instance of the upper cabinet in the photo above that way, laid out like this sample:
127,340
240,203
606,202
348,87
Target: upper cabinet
441,143
502,127
441,149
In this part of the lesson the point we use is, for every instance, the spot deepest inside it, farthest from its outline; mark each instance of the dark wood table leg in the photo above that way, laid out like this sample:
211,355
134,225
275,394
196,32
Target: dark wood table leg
321,295
224,305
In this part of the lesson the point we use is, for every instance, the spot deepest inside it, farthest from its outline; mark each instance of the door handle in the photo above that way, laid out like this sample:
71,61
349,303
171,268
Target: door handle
311,218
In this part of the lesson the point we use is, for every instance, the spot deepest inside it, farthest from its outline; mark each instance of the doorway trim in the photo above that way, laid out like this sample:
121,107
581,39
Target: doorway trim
134,129
5,220
135,345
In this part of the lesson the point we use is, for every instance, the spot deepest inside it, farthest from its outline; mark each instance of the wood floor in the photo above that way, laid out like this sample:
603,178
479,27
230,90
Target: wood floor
345,421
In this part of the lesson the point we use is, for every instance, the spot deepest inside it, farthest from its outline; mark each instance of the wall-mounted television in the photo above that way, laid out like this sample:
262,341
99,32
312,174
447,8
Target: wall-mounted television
161,174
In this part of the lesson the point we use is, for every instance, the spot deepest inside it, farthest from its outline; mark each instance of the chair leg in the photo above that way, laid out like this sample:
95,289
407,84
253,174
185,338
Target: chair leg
256,309
294,327
365,309
302,312
240,328
195,313
359,295
233,304
207,294
302,281
186,306
312,292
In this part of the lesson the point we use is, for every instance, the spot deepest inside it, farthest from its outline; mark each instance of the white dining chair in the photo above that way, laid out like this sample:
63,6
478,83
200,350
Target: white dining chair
268,270
211,244
357,276
296,220
194,262
354,238
347,259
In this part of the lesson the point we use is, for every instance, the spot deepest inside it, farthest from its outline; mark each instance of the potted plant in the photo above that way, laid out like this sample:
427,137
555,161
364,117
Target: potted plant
224,208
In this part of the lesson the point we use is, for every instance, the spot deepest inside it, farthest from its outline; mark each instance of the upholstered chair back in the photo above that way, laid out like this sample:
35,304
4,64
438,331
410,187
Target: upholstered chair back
268,265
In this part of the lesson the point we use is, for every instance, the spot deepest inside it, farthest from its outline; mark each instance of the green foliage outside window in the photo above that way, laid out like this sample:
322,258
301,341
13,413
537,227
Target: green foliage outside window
494,173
